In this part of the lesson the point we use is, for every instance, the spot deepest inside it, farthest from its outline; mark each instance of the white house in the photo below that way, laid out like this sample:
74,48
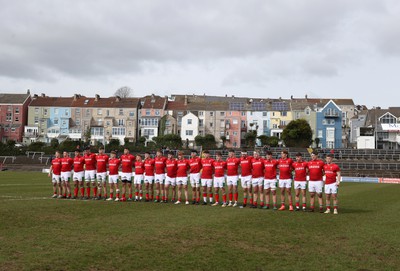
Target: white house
189,128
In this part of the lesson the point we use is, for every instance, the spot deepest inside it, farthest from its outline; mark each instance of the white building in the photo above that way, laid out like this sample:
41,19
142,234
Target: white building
189,128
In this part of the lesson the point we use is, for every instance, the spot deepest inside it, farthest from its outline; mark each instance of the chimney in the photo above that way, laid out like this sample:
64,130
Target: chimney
43,95
28,91
117,98
186,100
306,97
35,96
291,97
76,96
226,95
233,96
97,97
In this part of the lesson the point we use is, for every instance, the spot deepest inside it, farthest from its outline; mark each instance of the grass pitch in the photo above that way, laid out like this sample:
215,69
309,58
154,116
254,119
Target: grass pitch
39,233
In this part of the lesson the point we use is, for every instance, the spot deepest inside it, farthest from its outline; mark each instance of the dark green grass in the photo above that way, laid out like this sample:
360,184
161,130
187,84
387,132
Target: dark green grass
38,233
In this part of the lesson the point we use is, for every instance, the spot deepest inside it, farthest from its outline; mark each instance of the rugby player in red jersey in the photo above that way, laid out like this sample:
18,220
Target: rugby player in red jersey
285,179
207,176
66,167
257,165
315,172
101,175
182,177
245,177
159,177
232,172
148,176
90,172
55,175
79,174
113,178
300,180
219,178
195,167
138,179
127,161
332,182
270,166
170,179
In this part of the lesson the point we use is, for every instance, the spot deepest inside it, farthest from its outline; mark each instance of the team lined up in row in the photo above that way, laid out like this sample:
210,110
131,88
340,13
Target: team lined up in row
258,178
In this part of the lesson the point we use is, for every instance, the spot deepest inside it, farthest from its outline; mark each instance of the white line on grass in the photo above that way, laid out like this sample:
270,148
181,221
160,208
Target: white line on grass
20,184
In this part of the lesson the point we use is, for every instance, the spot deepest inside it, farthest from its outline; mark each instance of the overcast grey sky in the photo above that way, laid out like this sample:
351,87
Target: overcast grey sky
275,48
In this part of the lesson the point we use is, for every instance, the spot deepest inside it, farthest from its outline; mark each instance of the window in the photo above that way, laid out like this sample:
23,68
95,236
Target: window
129,123
284,113
201,123
56,111
64,123
332,122
108,113
78,122
12,129
17,110
36,120
108,123
16,118
148,132
167,123
45,112
121,112
66,112
273,114
211,124
149,122
222,114
235,144
121,122
157,112
9,108
222,123
324,121
235,133
36,110
319,133
274,126
211,114
131,113
243,113
87,112
97,131
147,112
118,131
387,118
100,122
201,113
230,113
8,116
235,121
308,111
189,132
264,113
77,110
55,121
189,121
99,111
243,124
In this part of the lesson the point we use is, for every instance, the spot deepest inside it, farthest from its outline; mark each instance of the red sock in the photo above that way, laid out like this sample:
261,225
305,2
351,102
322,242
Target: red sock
210,196
230,196
141,194
236,196
251,200
95,191
297,204
245,201
151,197
261,203
198,199
65,194
82,191
224,198
88,191
147,196
137,194
75,192
157,198
117,195
304,205
130,195
69,195
111,195
204,195
216,197
255,203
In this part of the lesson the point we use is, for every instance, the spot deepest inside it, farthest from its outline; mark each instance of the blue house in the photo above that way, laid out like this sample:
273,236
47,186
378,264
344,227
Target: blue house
329,126
58,122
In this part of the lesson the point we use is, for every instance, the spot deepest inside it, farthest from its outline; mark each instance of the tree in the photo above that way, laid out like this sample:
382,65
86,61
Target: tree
223,138
297,133
54,143
316,140
206,142
263,139
124,92
113,144
250,138
171,141
273,141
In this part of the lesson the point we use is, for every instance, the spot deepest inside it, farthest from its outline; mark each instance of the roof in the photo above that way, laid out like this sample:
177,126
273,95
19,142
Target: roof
10,98
303,103
154,101
83,101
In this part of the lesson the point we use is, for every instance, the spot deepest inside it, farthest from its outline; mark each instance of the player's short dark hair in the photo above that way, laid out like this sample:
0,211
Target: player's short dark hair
285,151
218,153
87,148
231,150
299,154
159,150
268,152
329,155
113,152
139,155
101,148
147,152
195,151
315,152
206,151
171,153
180,153
243,150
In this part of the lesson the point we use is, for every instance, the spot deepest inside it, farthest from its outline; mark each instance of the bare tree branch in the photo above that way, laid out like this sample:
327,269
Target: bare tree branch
124,92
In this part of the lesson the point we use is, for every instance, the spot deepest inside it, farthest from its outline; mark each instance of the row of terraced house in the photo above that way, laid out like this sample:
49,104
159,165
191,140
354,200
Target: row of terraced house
338,123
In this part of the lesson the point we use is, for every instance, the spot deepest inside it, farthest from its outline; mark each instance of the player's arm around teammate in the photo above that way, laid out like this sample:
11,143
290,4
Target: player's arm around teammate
101,175
182,178
232,170
113,175
207,176
55,175
79,174
195,168
270,166
257,164
139,177
300,181
245,177
90,172
285,179
219,179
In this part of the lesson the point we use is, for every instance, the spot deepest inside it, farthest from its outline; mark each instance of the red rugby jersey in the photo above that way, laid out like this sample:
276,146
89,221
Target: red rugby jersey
90,161
331,171
56,166
66,164
113,166
79,161
219,168
195,164
300,171
285,168
102,160
139,167
315,170
183,166
171,166
127,161
257,165
270,169
245,165
149,167
232,166
160,164
207,168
